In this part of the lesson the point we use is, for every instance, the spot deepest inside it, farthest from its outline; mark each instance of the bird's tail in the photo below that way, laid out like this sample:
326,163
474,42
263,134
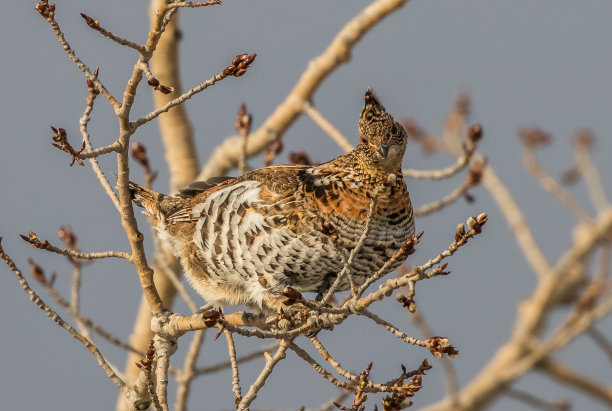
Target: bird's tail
146,198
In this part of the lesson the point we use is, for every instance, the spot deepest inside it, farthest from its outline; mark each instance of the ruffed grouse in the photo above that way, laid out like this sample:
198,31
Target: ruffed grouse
243,240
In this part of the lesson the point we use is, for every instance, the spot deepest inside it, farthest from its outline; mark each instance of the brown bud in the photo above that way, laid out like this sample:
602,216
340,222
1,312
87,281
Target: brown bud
571,175
239,72
247,61
534,137
238,59
583,140
299,158
37,272
462,104
460,232
90,22
228,70
482,218
413,130
243,120
439,346
292,293
67,236
153,82
211,318
475,133
139,154
165,89
471,222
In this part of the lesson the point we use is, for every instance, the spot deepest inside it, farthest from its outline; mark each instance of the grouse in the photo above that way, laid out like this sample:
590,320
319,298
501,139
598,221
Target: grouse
243,240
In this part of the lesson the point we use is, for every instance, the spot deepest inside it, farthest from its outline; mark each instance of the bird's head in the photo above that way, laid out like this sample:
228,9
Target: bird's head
382,138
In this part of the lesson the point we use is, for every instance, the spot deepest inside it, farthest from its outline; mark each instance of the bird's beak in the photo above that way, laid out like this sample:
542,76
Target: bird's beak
383,150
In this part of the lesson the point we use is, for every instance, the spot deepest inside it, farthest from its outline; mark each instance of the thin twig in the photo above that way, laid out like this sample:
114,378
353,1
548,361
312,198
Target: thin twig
332,361
179,100
393,329
601,341
328,127
240,360
151,390
536,402
329,405
111,148
583,142
194,4
271,362
320,369
603,266
235,376
83,122
444,173
33,239
355,382
450,375
95,25
456,194
574,379
517,222
346,269
552,186
75,291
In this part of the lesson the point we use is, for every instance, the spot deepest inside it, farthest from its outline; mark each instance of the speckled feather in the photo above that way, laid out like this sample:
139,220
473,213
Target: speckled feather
243,240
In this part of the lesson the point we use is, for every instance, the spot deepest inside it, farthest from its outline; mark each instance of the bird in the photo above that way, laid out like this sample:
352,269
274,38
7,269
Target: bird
244,240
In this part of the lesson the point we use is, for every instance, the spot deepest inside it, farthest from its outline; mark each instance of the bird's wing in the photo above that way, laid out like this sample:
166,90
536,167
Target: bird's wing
199,187
273,183
336,192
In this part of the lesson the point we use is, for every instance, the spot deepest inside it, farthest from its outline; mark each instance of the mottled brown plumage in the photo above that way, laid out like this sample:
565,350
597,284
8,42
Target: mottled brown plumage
243,240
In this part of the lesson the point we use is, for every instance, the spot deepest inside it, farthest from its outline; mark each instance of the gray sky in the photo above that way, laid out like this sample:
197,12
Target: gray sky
525,63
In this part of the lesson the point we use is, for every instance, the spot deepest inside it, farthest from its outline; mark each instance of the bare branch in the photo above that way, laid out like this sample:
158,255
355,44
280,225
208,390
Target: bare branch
95,24
450,375
536,402
328,127
474,134
574,379
517,222
271,362
583,142
164,348
194,4
234,363
33,239
601,341
530,139
83,122
473,178
234,70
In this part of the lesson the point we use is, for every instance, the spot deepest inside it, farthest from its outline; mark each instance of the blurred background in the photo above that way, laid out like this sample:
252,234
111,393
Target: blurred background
523,63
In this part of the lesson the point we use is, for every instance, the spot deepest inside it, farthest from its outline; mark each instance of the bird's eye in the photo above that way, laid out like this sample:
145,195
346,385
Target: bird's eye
394,129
